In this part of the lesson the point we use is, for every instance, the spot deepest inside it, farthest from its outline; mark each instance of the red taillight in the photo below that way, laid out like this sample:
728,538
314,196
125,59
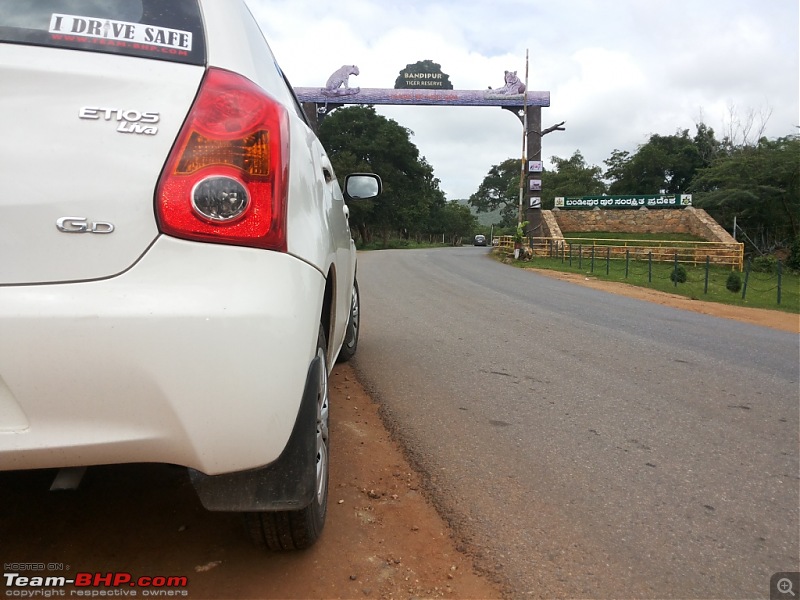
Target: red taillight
226,178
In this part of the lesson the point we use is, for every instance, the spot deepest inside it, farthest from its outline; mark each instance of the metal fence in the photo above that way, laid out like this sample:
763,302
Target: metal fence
663,260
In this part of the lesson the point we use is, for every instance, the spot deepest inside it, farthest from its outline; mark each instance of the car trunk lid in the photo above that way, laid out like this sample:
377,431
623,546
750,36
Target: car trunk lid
85,136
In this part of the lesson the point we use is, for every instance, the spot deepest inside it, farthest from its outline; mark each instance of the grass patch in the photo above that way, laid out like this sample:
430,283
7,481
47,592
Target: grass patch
398,243
612,238
761,290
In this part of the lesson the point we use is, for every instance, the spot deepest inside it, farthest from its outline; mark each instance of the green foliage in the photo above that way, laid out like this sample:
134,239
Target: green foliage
734,282
571,177
794,256
759,185
360,140
519,232
617,170
665,162
679,274
764,264
396,243
501,231
500,189
454,220
568,177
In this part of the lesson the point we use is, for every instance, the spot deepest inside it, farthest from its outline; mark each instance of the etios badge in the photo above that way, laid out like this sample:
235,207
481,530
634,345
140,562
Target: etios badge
83,225
128,121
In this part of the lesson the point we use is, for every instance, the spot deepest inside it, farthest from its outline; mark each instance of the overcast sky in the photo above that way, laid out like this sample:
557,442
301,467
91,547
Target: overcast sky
617,70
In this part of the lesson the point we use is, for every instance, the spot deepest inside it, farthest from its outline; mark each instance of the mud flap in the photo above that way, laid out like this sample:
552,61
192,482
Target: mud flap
286,484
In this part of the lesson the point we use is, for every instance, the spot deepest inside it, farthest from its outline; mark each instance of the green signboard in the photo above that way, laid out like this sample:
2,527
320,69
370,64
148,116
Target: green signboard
615,202
424,74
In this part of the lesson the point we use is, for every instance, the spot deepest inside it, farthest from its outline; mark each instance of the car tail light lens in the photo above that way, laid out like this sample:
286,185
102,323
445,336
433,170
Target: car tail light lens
226,178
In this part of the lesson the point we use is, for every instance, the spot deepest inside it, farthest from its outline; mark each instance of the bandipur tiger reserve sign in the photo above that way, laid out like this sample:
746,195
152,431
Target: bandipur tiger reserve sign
424,74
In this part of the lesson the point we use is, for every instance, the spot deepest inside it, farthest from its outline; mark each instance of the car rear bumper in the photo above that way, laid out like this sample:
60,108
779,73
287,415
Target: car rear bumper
196,356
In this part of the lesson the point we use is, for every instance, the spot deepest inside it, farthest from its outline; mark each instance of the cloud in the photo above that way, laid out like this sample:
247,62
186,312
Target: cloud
617,72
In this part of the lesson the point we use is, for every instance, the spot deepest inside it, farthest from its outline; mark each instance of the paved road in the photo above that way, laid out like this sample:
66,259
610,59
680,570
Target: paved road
588,445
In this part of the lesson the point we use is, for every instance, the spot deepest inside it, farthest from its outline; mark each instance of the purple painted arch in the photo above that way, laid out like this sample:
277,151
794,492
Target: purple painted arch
420,97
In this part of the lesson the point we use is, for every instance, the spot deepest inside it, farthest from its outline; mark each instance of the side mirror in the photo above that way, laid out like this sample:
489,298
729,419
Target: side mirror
362,186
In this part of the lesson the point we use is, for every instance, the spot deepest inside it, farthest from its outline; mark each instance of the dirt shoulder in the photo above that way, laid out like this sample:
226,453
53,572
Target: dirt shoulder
756,316
382,539
395,543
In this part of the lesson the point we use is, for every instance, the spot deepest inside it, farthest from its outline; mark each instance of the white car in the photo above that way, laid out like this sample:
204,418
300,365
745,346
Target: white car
177,275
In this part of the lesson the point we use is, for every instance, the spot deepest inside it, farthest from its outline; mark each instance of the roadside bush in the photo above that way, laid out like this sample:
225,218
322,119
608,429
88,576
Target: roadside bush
764,264
734,282
794,256
679,274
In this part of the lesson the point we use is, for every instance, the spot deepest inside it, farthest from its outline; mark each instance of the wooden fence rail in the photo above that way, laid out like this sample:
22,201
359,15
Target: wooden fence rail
688,252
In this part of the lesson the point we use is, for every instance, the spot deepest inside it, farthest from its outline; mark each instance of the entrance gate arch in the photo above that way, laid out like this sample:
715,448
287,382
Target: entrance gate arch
320,101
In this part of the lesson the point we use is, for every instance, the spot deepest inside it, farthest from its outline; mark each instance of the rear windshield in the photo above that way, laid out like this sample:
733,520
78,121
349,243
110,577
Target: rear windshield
161,29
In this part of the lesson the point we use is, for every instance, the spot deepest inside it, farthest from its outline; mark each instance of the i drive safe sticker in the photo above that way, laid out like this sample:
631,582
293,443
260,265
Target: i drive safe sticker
120,31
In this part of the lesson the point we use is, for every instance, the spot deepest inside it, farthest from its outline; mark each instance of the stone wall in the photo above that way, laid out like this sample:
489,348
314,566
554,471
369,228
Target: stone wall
694,221
550,227
557,224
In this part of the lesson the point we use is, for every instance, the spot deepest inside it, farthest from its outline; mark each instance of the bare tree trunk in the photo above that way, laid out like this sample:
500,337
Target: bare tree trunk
363,233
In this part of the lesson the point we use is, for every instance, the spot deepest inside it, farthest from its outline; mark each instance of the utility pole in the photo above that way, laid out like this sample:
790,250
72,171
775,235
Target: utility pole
531,168
534,210
523,162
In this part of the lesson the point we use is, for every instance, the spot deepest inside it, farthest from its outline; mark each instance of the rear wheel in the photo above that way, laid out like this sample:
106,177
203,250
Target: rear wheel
299,529
350,344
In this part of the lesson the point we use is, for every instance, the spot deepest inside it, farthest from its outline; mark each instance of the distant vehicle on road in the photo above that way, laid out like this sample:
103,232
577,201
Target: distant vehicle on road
480,240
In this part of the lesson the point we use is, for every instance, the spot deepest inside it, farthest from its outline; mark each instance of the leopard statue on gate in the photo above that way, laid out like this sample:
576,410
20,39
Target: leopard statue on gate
339,78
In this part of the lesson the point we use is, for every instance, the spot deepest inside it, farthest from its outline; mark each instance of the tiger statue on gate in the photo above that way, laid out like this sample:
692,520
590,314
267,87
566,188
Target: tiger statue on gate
513,85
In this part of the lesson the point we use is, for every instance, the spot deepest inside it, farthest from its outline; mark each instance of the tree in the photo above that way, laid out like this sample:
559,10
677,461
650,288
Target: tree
663,164
500,189
742,129
359,139
706,143
454,220
617,165
571,177
759,185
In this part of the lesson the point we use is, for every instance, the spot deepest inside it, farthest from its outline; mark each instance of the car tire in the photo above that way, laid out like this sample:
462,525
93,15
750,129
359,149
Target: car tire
350,344
299,529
